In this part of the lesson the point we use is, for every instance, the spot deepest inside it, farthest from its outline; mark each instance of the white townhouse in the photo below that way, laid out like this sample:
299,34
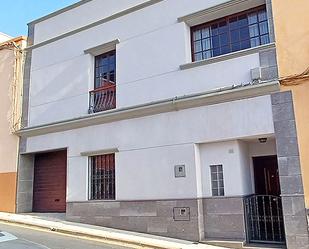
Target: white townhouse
160,116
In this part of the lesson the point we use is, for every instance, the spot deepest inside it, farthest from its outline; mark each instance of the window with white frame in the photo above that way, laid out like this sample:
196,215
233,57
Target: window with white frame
217,182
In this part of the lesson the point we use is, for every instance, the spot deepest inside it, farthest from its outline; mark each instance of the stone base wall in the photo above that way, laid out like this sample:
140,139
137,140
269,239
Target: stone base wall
224,218
25,184
154,217
296,225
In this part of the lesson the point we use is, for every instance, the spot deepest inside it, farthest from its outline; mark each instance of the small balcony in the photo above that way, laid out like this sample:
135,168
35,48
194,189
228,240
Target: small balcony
102,98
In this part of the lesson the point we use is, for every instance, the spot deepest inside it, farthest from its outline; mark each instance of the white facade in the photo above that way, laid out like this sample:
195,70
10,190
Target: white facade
153,45
150,147
148,58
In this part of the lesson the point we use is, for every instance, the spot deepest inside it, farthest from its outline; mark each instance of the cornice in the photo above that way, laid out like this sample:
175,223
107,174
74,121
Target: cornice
216,96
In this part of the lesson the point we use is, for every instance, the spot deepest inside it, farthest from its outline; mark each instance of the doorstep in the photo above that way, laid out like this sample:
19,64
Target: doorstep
264,246
96,232
225,243
241,244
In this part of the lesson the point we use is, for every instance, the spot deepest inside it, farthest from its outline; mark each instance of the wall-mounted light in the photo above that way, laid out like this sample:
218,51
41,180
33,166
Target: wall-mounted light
263,140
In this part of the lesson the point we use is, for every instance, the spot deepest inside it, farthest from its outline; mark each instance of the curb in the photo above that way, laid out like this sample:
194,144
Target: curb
90,236
113,236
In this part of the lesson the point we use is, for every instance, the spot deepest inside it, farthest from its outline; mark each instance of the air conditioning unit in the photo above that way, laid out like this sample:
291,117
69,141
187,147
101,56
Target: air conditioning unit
256,74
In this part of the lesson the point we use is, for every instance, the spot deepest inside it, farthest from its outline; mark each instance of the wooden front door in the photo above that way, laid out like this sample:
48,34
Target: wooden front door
266,175
49,187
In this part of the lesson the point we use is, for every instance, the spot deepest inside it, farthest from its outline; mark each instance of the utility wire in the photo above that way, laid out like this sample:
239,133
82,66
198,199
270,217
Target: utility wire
295,79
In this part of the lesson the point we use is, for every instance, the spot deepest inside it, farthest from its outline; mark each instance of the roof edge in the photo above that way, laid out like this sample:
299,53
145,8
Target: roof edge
4,34
16,39
58,12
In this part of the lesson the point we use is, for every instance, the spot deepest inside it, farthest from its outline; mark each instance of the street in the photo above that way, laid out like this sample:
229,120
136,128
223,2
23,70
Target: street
20,237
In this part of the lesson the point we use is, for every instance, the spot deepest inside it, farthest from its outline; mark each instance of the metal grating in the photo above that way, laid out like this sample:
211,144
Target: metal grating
102,177
264,219
103,98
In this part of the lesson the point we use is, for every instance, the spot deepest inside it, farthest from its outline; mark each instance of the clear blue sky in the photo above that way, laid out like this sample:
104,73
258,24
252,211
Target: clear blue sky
15,14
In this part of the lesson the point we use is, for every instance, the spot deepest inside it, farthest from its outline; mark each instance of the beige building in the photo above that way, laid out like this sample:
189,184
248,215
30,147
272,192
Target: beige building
11,61
292,35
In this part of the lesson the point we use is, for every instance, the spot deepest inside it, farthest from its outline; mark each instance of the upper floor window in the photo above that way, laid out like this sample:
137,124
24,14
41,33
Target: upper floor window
105,69
103,97
233,33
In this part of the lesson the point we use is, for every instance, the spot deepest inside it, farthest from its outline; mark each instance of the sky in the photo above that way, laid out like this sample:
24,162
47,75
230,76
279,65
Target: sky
15,14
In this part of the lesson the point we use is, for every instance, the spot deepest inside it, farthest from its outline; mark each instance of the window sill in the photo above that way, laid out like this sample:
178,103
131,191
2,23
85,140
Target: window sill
99,201
227,56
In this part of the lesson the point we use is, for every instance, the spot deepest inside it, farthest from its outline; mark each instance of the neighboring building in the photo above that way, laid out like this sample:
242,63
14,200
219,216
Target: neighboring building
4,37
11,61
166,122
292,35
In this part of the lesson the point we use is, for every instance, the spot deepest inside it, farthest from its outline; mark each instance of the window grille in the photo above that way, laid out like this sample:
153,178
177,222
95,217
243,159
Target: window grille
102,177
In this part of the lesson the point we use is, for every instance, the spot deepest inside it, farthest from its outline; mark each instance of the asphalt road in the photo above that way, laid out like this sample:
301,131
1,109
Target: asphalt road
28,238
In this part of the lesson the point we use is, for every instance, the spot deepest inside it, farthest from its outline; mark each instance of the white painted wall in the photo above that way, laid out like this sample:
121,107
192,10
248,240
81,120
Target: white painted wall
96,10
81,16
149,173
262,149
244,160
233,156
152,47
148,58
236,158
149,147
225,154
196,125
77,178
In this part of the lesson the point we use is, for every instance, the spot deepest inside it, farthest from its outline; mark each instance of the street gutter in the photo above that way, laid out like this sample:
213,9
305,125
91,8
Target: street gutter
101,233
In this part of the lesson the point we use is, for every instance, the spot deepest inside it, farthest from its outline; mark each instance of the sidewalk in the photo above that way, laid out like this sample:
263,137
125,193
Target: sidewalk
103,233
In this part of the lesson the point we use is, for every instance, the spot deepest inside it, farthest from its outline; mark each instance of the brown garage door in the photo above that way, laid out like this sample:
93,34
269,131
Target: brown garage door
49,188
